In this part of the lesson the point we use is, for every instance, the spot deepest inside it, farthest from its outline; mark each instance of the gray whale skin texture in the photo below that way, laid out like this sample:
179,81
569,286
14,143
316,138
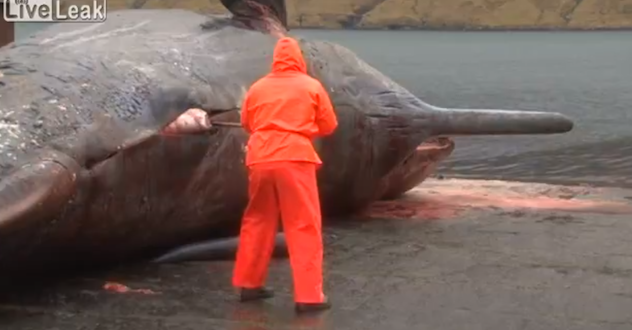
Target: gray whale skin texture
87,178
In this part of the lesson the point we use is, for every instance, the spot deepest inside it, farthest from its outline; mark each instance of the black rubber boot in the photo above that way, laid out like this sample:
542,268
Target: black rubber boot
255,294
303,308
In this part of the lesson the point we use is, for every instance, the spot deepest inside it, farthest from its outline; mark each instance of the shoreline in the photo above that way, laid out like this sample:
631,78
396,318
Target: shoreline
452,28
544,181
451,198
464,29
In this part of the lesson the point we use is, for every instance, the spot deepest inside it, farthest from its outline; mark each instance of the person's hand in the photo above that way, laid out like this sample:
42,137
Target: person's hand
192,121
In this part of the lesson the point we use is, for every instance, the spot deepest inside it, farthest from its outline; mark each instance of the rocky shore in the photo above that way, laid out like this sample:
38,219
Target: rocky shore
432,14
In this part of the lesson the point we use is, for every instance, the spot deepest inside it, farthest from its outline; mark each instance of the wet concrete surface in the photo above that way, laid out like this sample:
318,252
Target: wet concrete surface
483,267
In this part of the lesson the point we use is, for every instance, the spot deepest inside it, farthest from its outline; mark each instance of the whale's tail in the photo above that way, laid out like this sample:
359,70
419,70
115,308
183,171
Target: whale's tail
258,9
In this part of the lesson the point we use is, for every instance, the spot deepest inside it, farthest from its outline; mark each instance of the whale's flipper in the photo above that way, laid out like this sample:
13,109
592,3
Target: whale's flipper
216,249
258,9
35,191
48,181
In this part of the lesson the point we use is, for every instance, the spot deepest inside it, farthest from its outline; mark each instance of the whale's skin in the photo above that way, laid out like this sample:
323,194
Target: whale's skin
166,190
87,178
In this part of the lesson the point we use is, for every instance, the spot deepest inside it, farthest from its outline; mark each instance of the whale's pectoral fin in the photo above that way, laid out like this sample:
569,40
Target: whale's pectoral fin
46,183
215,249
37,190
258,9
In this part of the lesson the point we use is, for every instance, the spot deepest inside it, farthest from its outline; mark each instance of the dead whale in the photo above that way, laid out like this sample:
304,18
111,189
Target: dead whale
87,176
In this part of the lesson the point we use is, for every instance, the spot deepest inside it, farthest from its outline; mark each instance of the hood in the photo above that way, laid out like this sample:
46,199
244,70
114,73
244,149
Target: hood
288,57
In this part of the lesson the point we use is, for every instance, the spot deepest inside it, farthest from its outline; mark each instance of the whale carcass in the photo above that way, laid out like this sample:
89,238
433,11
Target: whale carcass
88,176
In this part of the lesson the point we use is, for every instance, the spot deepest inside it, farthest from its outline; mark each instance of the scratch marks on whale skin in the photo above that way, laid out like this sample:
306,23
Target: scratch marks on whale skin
8,133
71,34
104,35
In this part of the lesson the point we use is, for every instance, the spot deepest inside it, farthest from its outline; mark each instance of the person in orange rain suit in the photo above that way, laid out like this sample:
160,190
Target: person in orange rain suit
284,111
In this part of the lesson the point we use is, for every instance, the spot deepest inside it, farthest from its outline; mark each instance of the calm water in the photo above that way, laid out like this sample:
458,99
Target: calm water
586,75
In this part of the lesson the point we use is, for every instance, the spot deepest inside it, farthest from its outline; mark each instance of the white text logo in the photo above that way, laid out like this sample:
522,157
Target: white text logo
54,11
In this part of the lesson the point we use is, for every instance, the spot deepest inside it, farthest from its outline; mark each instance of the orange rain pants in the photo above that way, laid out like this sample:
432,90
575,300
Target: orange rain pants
289,190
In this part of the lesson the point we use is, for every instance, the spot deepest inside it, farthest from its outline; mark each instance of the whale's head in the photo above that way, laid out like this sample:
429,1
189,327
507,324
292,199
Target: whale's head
381,123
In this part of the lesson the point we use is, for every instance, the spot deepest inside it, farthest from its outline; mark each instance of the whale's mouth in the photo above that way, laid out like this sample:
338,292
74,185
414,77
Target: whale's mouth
417,167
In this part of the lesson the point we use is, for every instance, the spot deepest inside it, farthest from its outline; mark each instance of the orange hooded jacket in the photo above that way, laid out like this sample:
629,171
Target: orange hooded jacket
285,110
